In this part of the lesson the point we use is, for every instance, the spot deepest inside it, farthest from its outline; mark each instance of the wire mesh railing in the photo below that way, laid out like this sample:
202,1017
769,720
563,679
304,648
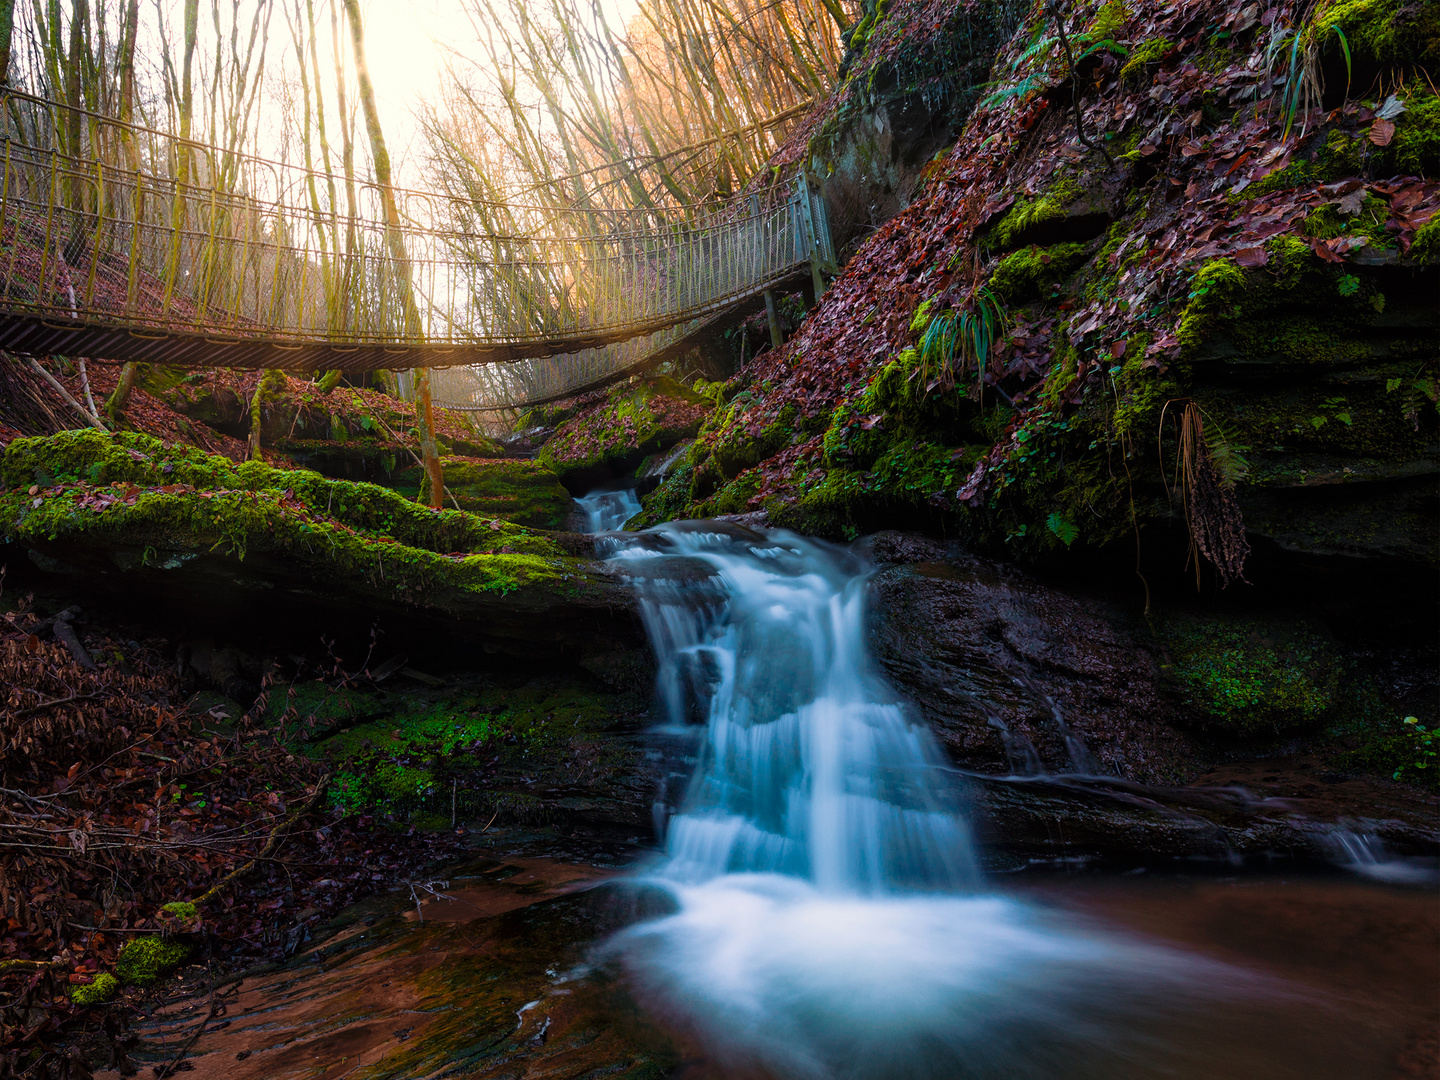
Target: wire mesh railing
123,242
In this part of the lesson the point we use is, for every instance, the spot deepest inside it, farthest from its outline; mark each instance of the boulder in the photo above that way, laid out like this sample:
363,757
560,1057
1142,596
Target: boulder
1014,676
158,521
609,437
524,491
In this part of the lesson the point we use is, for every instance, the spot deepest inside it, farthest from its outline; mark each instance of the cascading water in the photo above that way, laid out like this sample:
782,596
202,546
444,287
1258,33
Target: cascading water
606,510
831,919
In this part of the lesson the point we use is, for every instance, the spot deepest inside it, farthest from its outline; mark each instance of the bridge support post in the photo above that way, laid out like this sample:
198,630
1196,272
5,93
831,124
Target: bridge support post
817,235
777,337
429,453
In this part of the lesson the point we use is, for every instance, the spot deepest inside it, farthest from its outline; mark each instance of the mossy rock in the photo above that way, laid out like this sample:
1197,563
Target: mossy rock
144,961
1030,273
187,524
1295,310
1380,32
1252,677
612,437
105,987
517,489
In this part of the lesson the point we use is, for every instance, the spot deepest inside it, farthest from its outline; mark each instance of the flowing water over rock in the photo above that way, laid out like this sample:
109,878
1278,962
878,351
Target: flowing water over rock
606,510
819,911
832,922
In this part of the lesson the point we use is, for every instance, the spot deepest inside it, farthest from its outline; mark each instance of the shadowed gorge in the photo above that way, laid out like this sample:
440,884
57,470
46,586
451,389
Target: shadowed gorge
719,540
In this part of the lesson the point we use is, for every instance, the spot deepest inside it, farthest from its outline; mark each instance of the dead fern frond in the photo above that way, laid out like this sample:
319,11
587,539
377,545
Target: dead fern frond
1207,495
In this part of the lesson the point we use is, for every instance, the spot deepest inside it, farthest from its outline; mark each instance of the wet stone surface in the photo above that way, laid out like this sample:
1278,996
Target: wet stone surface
494,982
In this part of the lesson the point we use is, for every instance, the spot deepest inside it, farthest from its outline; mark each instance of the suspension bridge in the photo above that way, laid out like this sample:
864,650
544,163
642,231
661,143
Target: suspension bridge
122,242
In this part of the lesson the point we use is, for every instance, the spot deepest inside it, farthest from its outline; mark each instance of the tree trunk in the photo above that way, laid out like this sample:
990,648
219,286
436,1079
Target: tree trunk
396,242
7,22
120,396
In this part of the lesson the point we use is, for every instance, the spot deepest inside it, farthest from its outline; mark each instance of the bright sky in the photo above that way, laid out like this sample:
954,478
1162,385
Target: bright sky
407,43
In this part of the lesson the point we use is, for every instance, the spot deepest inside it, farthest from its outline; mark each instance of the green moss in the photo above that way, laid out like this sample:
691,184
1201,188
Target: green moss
1416,144
105,987
732,498
182,910
633,420
357,530
143,961
921,318
1147,52
1296,309
413,760
1327,223
1250,677
1214,292
734,444
669,501
1032,272
1426,245
517,489
1388,32
1027,213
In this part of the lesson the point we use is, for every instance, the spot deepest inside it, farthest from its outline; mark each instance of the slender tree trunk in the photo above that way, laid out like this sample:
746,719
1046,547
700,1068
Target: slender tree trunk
7,23
396,241
120,396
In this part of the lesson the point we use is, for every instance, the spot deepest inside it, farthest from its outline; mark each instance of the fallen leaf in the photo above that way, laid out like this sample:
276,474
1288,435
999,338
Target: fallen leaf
1352,202
1251,257
1381,132
1391,108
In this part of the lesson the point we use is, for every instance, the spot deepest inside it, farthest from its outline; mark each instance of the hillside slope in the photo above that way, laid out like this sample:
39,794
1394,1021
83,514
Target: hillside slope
1211,303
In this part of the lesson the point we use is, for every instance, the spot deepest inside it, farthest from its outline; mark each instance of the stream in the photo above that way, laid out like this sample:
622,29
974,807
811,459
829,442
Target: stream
817,909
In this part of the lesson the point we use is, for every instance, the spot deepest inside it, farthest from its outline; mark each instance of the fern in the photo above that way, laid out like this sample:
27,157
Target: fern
1227,454
1064,530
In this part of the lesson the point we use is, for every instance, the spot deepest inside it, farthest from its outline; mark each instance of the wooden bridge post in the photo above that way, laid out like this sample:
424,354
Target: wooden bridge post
817,249
777,337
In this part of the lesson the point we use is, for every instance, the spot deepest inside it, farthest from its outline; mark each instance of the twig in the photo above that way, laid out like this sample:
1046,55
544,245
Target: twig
1075,83
51,704
274,839
66,395
162,1071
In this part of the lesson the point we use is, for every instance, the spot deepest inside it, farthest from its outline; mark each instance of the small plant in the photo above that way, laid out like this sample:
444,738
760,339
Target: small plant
1407,751
1333,408
955,341
1064,530
1422,749
1303,85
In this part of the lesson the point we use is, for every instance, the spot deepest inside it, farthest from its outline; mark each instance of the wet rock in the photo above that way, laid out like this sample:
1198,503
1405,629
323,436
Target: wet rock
996,661
1051,819
513,994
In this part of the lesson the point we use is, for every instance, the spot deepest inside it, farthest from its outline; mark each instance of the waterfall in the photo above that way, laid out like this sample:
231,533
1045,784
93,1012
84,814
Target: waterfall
606,510
831,920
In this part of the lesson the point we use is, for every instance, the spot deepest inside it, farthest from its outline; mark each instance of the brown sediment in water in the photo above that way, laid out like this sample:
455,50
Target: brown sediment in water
478,984
491,984
1362,956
